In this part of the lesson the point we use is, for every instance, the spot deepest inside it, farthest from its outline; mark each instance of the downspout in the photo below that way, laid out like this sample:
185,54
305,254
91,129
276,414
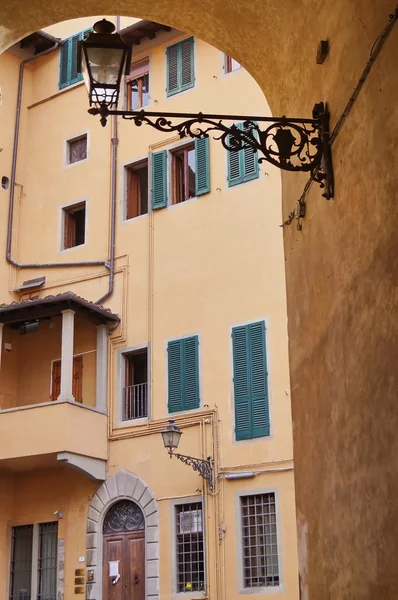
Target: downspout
12,183
112,242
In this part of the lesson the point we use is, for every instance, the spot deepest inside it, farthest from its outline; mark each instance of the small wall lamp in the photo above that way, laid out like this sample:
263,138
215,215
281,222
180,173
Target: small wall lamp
171,438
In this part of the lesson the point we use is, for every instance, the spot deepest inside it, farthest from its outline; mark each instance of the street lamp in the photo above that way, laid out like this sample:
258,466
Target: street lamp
103,57
171,438
291,144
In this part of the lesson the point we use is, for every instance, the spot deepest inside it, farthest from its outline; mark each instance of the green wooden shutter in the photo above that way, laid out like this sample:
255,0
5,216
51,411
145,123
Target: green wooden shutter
243,428
187,64
191,373
258,379
159,179
63,65
74,76
235,171
202,174
175,361
249,161
250,381
172,69
180,66
183,374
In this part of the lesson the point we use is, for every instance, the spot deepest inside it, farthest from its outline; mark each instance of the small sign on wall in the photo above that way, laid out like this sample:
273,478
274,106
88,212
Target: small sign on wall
113,568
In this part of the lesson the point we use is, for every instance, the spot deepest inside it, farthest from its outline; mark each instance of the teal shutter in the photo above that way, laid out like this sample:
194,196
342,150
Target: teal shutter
159,179
258,379
74,76
250,381
187,64
172,70
63,65
175,361
202,174
242,165
183,374
191,373
68,60
243,429
250,161
180,66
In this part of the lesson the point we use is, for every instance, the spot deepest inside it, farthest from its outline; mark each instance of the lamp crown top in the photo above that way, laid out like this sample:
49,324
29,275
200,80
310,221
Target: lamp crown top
104,26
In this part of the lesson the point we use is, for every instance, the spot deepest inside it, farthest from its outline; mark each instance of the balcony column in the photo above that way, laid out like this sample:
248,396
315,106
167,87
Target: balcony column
68,326
1,341
102,367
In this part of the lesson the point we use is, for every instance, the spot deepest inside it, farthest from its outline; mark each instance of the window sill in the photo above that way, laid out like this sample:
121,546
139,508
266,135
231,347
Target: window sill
132,423
262,590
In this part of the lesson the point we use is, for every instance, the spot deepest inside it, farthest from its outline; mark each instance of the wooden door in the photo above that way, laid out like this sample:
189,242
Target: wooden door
128,550
77,382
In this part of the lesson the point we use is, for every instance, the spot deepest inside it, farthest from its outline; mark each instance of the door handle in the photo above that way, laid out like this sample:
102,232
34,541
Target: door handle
136,578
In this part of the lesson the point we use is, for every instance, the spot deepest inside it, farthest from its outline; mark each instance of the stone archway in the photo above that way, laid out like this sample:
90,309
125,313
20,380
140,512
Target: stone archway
122,485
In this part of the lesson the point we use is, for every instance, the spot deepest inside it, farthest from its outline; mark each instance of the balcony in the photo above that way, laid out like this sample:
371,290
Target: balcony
53,382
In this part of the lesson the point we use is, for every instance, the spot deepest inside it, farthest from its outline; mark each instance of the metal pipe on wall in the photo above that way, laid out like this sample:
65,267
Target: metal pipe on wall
13,176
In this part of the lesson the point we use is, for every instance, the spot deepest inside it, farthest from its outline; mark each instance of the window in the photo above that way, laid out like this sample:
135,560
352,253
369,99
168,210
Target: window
180,67
190,172
77,149
31,579
136,190
231,64
242,164
74,225
190,548
250,381
183,374
77,383
259,541
135,390
138,86
68,60
183,167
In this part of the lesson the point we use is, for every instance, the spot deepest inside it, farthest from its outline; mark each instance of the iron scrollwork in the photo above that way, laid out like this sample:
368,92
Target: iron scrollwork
203,467
288,143
124,516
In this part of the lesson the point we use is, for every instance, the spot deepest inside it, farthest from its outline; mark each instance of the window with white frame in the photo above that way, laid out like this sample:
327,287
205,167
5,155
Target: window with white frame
231,64
33,565
77,149
259,541
190,564
135,385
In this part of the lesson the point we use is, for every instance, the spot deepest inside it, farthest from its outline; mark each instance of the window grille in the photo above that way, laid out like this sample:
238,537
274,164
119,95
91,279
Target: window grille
259,540
135,390
190,548
47,564
21,563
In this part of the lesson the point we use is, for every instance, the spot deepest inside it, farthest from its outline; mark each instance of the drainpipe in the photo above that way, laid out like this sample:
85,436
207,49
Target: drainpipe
12,183
114,141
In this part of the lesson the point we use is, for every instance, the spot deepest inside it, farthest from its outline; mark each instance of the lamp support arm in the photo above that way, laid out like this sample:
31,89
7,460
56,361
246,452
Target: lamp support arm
290,144
202,466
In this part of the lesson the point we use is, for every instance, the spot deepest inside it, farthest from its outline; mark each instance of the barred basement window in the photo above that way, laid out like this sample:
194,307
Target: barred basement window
190,548
21,563
47,563
259,541
34,578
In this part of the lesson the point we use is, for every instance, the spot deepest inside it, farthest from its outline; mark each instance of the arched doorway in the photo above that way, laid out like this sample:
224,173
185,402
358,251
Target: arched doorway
124,552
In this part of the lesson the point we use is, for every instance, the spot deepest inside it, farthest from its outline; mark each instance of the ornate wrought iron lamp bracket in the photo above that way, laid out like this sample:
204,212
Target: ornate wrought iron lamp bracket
291,144
203,467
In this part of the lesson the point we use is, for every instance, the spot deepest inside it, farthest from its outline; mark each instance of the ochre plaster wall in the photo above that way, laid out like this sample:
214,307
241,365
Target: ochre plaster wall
339,269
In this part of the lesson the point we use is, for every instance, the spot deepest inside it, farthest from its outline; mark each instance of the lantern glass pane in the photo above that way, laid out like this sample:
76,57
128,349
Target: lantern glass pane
105,64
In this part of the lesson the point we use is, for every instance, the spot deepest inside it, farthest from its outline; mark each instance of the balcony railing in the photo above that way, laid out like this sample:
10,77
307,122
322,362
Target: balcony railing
135,401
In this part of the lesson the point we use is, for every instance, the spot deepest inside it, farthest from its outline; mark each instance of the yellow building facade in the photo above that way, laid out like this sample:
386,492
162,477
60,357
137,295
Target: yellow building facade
144,281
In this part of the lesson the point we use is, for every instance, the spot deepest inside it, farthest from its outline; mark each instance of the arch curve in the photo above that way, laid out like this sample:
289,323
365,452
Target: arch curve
123,485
